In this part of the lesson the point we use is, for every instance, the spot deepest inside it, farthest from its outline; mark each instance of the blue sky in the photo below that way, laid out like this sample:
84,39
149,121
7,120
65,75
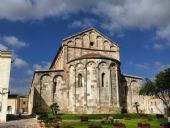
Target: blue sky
33,30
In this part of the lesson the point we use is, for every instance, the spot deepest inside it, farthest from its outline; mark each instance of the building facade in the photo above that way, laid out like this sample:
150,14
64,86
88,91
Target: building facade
17,104
13,104
85,77
5,65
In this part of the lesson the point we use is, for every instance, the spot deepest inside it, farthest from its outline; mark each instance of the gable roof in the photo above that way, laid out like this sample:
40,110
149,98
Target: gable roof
89,29
72,36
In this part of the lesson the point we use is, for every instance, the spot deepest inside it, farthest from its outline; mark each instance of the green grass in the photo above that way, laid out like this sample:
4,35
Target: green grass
94,116
129,123
74,120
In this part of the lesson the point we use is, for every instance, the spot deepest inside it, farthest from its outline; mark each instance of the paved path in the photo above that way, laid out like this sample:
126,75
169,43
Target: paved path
20,123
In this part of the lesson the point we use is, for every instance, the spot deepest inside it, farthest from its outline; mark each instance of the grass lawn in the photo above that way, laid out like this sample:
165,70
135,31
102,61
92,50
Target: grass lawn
129,123
74,120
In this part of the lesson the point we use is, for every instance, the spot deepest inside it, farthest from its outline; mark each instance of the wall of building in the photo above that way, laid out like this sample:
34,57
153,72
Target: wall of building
13,105
86,75
130,89
23,104
96,91
5,64
154,105
87,42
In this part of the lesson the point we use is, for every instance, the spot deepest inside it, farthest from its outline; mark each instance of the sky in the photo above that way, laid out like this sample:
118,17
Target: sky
33,30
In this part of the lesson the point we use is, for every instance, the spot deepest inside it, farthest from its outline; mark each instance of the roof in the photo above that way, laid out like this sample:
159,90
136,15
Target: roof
132,76
5,54
12,96
89,29
86,30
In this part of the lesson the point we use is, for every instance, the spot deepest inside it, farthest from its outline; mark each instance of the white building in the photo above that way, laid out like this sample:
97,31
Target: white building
5,64
154,105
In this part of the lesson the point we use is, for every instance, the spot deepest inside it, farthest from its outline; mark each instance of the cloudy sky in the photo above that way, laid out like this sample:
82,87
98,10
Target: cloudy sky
33,30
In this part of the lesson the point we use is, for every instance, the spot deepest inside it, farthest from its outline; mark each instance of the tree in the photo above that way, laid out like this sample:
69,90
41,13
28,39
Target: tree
160,87
54,108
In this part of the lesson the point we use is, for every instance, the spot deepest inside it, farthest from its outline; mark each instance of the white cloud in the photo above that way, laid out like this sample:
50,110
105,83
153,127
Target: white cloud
42,66
143,66
14,41
115,16
18,86
164,32
20,63
86,22
160,66
21,10
159,46
3,47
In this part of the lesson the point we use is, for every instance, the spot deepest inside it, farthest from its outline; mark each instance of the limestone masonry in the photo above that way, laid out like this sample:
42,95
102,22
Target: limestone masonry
85,77
5,66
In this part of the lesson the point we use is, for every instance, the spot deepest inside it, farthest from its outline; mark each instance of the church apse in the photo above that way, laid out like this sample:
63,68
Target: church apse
84,77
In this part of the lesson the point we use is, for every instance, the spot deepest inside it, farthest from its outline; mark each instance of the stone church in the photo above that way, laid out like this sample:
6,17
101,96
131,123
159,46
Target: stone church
85,77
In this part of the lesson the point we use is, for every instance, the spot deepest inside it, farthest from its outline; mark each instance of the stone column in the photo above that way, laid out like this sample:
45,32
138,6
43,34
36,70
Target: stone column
85,87
110,87
117,86
98,84
75,91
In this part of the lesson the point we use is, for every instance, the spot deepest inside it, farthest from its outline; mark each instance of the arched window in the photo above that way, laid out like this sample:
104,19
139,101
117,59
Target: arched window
80,80
103,77
54,87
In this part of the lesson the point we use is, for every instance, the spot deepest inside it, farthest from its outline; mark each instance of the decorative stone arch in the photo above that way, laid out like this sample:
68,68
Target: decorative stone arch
45,88
113,64
106,45
103,63
134,83
71,50
134,89
89,63
71,43
99,42
86,40
113,48
41,77
80,63
56,79
42,81
93,43
78,42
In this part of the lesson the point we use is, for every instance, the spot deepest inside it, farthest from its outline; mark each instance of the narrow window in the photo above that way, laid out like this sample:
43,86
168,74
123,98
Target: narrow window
103,77
91,43
80,80
54,87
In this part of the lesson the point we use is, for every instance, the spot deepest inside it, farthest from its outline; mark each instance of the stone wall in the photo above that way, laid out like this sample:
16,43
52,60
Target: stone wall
85,77
5,65
93,86
130,87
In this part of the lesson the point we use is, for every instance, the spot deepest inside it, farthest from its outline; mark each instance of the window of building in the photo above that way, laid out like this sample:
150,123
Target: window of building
103,77
54,87
80,80
23,102
91,43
